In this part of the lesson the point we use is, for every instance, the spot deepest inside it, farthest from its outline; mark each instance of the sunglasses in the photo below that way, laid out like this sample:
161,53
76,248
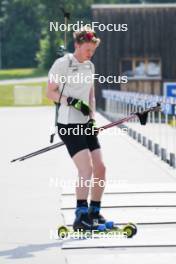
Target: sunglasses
87,36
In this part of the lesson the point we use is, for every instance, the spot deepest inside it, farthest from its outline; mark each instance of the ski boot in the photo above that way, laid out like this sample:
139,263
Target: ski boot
84,223
97,218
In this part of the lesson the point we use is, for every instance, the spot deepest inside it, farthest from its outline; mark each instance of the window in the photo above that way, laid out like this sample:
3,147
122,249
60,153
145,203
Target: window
141,67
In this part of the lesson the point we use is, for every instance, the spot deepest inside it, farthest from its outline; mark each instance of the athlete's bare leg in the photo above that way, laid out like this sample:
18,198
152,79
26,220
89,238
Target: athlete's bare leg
99,170
83,162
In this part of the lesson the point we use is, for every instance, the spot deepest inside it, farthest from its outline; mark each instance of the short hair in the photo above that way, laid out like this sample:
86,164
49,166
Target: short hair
86,34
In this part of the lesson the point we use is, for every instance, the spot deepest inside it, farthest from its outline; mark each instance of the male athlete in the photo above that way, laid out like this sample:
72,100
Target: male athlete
77,110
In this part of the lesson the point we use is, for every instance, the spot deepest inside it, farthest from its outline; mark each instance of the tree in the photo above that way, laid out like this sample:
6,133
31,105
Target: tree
21,33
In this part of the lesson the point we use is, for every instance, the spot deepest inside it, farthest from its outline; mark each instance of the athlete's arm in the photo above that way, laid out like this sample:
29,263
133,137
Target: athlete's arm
53,93
92,103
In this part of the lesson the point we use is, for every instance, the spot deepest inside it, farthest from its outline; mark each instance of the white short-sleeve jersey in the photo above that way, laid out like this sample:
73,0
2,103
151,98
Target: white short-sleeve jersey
78,78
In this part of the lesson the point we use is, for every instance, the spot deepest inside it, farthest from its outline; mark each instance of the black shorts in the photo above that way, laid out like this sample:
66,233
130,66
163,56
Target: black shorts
75,138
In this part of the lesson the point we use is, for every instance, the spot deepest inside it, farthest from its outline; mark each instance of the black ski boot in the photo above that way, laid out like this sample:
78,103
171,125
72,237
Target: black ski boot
84,223
97,218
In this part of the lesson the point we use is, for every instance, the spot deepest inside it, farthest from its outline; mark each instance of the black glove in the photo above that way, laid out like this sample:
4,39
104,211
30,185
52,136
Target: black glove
92,125
79,105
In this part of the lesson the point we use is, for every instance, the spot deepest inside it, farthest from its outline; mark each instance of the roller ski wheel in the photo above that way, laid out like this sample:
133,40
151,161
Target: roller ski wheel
63,232
130,230
135,228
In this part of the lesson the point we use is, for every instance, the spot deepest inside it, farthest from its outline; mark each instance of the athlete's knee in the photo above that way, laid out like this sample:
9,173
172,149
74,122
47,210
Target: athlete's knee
86,172
100,170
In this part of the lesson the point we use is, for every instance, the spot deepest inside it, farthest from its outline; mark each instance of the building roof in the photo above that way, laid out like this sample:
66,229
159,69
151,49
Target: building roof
118,6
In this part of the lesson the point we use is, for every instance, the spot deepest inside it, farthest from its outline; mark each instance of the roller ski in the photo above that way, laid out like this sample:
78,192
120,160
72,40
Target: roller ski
127,231
90,223
94,214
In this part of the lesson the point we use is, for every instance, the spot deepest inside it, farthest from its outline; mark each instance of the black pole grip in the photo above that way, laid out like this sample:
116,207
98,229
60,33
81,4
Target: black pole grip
52,138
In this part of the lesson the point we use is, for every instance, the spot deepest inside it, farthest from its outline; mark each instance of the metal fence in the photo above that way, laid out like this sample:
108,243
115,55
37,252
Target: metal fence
159,135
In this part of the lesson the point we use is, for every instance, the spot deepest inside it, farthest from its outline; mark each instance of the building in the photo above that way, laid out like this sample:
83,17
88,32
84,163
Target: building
145,52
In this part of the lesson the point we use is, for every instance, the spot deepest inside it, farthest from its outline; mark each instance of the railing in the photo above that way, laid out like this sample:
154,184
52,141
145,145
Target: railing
159,135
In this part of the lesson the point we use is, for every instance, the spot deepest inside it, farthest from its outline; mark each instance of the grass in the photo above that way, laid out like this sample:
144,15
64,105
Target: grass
21,73
7,97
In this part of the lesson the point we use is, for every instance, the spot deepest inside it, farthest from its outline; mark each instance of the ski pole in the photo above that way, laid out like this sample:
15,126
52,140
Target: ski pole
141,115
35,153
142,118
57,105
